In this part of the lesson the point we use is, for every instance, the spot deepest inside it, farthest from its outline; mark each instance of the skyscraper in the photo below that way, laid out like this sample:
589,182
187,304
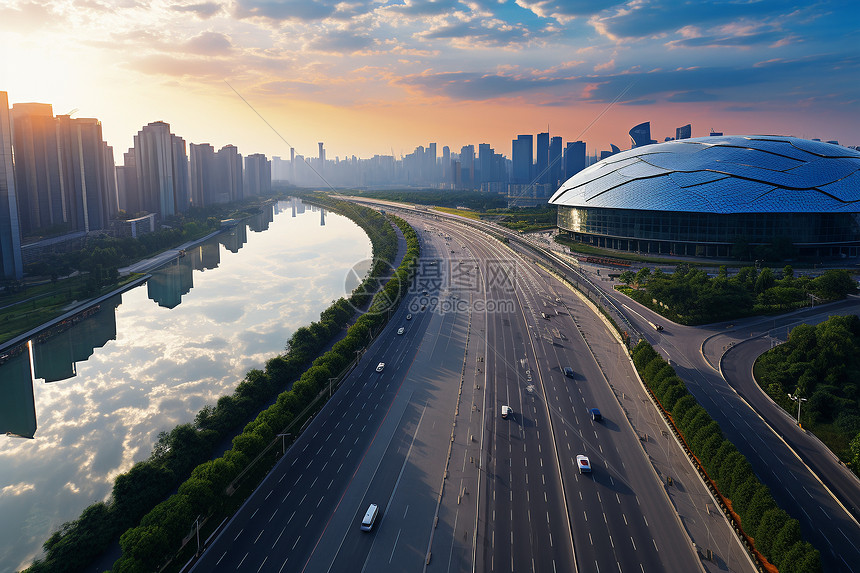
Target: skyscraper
41,203
11,264
684,132
574,158
554,167
159,177
229,174
542,158
202,181
521,156
258,175
87,174
467,166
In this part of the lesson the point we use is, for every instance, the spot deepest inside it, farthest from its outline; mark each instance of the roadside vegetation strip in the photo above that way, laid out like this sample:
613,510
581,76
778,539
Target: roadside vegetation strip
820,364
469,214
771,533
689,296
135,493
160,532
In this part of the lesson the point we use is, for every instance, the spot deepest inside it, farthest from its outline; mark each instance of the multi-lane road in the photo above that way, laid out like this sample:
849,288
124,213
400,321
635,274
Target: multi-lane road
459,487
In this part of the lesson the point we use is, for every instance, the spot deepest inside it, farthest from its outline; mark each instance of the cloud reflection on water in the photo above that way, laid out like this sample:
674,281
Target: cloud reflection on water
159,365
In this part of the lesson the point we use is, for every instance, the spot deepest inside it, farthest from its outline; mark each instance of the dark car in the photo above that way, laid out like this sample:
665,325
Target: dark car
658,327
568,371
595,414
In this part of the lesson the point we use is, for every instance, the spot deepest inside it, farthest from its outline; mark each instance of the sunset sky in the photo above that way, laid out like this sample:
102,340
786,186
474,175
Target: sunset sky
380,76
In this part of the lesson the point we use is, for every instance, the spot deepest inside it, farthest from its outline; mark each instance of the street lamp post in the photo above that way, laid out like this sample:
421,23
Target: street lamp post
284,442
796,397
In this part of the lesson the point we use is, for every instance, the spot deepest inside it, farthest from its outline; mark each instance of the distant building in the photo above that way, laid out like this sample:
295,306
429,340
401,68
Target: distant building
554,166
202,174
684,132
41,201
258,175
522,151
229,179
574,158
162,170
11,265
716,134
641,134
542,158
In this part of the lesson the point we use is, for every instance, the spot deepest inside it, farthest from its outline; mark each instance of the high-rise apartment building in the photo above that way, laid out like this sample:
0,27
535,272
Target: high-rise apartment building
162,170
41,203
11,265
684,132
87,173
228,163
202,174
258,175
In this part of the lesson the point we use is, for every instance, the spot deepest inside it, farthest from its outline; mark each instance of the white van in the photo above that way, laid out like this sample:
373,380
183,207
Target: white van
370,517
506,411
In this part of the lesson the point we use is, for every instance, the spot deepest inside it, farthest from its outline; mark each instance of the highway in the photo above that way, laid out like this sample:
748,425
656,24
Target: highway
716,363
460,488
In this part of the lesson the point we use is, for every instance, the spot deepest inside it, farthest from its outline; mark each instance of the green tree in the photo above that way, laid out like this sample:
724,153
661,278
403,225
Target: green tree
767,529
627,277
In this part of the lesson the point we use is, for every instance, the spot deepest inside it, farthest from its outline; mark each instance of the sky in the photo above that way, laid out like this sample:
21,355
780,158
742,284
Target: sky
370,77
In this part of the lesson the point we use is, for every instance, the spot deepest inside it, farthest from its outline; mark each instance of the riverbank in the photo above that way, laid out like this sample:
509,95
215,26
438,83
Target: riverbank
76,310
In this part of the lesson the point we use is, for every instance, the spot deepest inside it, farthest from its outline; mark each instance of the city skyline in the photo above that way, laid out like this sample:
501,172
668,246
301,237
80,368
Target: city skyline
380,78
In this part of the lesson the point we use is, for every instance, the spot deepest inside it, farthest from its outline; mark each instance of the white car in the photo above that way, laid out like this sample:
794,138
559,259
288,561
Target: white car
408,317
380,366
583,464
401,330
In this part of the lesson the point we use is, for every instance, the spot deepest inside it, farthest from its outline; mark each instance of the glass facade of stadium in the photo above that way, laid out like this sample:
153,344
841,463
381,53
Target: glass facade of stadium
710,235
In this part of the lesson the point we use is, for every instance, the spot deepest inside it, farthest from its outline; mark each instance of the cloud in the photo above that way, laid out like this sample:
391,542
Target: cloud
341,41
29,16
168,65
203,10
209,44
691,96
649,18
478,87
298,10
417,8
564,11
487,33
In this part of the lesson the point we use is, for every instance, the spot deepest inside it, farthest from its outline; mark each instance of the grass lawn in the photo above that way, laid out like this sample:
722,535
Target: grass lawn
462,212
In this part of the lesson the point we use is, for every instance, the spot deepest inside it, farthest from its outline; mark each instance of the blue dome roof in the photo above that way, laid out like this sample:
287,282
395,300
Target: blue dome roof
725,174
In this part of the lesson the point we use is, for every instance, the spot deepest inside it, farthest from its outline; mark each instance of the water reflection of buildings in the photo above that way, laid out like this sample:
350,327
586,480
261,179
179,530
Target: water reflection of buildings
54,358
297,206
169,283
18,406
235,238
260,222
204,256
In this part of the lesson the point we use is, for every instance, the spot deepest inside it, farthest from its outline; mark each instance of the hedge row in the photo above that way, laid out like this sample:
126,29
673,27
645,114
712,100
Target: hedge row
135,493
160,532
775,534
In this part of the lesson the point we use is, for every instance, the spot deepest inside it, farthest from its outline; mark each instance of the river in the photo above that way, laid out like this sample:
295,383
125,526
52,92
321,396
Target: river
98,393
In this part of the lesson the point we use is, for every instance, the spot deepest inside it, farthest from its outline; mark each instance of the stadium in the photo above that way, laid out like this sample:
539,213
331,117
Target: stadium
716,196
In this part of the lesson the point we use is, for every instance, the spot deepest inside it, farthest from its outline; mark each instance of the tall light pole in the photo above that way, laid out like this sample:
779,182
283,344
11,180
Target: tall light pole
796,397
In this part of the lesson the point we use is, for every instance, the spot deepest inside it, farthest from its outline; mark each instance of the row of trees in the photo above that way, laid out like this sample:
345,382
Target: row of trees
775,534
820,363
690,296
135,493
160,532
